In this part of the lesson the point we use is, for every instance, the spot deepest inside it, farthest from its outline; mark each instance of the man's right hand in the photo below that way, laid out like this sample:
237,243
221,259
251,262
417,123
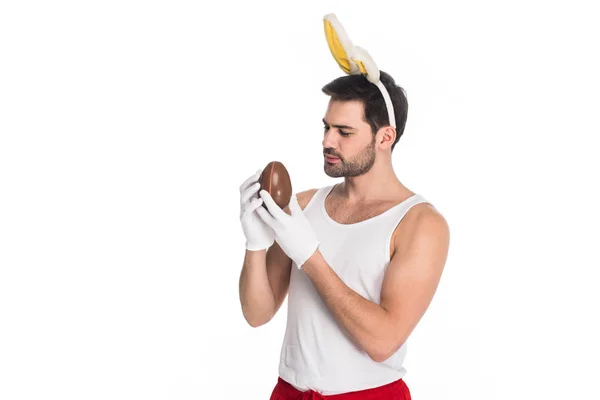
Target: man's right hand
259,236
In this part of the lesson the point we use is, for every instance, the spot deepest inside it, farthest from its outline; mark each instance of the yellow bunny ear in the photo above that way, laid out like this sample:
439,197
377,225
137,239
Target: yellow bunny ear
354,60
340,45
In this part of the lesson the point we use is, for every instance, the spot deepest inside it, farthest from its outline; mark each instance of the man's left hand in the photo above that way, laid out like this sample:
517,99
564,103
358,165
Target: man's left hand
293,233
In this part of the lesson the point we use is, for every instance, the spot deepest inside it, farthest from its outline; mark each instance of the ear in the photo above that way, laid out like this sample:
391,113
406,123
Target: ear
386,137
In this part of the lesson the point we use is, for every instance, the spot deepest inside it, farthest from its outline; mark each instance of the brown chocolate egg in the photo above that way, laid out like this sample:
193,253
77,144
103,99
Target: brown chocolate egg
276,180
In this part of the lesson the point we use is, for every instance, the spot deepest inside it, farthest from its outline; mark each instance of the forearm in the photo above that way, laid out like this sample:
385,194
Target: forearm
366,322
256,295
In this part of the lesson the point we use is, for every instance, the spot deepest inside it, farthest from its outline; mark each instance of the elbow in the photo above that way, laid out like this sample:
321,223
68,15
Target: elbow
256,320
379,355
381,351
255,324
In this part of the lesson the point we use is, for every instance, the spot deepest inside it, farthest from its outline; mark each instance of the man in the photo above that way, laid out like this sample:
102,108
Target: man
360,260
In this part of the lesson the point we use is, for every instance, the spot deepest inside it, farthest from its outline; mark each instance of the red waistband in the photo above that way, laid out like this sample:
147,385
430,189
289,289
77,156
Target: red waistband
284,391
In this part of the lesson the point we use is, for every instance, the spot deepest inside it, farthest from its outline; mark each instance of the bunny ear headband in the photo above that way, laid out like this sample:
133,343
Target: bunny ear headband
354,60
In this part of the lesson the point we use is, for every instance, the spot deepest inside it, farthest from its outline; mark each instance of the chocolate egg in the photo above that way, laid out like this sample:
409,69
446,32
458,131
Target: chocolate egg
276,180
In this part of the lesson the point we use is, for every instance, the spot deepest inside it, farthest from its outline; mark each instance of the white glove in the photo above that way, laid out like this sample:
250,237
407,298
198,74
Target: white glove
259,236
293,233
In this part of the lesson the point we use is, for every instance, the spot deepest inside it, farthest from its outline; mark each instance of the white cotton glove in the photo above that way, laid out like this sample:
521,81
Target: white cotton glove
293,233
259,235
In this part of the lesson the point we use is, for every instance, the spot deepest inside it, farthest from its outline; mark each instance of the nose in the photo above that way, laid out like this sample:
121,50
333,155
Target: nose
329,140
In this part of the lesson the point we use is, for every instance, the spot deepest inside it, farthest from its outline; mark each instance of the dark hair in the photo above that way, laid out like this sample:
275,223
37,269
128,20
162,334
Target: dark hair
357,87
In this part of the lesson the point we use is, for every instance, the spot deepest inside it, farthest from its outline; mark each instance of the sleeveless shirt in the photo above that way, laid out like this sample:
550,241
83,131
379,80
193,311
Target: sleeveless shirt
317,354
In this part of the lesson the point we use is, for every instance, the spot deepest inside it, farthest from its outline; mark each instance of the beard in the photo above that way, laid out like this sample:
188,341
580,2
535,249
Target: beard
356,166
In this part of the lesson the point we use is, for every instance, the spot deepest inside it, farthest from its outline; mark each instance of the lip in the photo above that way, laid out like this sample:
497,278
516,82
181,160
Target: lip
331,159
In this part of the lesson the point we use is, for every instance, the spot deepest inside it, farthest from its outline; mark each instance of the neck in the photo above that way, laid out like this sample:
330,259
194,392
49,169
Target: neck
379,184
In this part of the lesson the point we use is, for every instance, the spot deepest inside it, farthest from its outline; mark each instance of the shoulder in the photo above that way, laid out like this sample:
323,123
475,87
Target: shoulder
422,226
305,196
303,199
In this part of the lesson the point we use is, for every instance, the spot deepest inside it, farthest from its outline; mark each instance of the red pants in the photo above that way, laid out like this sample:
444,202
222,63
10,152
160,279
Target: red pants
392,391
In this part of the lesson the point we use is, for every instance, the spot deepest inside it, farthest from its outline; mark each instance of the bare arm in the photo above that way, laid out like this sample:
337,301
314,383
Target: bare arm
264,282
409,284
265,278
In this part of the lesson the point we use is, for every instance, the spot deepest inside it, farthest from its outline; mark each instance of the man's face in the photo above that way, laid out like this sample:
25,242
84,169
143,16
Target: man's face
348,138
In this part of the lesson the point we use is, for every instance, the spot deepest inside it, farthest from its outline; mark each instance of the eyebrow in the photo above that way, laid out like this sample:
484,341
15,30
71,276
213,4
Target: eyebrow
339,126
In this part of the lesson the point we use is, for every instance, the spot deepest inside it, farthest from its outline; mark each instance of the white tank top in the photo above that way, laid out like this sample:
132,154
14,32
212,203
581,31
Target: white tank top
316,353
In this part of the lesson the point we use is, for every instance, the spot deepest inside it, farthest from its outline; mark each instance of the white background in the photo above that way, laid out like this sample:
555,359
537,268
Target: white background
127,127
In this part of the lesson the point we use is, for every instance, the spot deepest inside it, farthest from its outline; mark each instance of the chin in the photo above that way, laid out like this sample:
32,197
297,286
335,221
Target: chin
332,173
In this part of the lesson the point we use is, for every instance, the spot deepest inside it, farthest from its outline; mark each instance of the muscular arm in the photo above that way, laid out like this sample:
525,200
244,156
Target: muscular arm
409,284
265,278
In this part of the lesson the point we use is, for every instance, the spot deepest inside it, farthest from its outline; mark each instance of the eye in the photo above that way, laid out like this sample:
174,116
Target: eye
344,134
